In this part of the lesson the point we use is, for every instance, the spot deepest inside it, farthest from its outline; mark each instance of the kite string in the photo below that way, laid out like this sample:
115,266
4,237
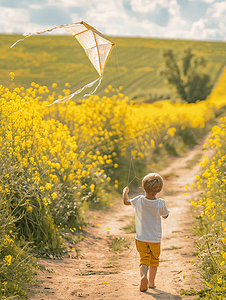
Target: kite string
131,158
131,165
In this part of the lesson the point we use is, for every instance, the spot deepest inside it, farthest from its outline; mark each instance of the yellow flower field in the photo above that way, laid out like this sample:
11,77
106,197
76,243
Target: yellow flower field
210,208
56,160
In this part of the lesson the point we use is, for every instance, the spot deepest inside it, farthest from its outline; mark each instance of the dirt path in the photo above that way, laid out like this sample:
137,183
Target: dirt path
98,273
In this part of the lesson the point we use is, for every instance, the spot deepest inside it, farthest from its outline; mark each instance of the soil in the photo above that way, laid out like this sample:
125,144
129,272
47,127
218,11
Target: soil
99,273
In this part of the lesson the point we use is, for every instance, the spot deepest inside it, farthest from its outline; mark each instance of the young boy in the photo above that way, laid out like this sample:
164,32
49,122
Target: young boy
148,210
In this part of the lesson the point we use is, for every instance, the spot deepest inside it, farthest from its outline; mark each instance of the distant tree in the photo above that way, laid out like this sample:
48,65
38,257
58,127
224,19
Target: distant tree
187,75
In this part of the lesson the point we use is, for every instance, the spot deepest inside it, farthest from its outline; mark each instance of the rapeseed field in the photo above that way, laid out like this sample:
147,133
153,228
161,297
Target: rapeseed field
57,160
210,210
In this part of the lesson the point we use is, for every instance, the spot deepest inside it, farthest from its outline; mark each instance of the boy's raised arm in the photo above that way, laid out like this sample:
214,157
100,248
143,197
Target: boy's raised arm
125,196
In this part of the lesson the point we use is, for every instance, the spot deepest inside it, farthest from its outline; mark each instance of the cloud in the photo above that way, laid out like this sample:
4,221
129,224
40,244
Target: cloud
120,17
13,19
109,17
35,6
145,6
217,14
68,3
17,20
199,30
218,11
205,1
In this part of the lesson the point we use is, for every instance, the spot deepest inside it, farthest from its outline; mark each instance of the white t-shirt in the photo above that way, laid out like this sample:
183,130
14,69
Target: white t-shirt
147,218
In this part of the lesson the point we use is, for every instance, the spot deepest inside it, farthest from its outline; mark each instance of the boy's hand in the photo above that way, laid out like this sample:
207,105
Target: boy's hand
125,196
126,190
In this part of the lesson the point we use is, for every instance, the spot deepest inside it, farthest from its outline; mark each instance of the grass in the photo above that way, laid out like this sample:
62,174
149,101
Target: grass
132,64
131,227
117,244
172,248
192,162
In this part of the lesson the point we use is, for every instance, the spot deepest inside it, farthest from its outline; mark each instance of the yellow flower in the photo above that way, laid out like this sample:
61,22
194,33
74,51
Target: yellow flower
29,208
12,75
48,186
54,195
8,259
92,187
54,85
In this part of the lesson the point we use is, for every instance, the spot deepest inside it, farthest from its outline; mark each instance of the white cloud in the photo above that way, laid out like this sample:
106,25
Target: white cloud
14,19
35,6
205,1
17,20
110,16
211,32
218,10
198,26
175,21
145,6
68,3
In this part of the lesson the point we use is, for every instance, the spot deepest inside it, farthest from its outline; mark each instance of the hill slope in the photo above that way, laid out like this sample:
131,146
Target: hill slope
133,63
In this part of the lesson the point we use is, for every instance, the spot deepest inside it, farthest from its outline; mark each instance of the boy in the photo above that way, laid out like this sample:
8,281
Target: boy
148,210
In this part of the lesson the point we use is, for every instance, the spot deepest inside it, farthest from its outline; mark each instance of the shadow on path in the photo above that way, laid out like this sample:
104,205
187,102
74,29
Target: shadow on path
160,295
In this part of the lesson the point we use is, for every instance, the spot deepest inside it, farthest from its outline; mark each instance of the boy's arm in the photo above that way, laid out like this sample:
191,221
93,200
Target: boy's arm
125,196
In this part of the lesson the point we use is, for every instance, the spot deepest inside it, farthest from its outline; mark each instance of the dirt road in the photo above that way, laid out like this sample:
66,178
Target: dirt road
98,273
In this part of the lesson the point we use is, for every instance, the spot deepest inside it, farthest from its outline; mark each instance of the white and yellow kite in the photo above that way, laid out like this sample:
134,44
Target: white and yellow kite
96,46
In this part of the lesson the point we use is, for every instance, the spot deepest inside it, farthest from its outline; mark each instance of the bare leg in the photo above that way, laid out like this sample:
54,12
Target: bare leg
144,279
152,274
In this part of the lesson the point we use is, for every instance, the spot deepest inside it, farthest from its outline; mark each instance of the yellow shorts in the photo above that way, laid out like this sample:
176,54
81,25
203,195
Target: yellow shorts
149,253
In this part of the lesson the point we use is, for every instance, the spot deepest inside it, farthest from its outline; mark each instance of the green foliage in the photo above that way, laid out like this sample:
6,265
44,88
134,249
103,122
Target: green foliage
117,244
17,267
190,78
131,227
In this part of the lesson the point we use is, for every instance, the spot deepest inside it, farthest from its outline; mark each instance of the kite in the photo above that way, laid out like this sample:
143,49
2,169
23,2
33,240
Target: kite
97,47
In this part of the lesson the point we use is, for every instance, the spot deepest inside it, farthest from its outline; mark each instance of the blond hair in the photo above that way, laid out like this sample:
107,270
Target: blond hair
152,182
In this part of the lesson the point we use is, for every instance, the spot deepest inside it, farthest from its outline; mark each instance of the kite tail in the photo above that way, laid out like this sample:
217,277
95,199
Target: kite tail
17,42
95,88
78,91
36,33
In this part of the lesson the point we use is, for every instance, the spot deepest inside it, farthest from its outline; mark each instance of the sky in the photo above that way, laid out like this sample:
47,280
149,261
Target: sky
177,19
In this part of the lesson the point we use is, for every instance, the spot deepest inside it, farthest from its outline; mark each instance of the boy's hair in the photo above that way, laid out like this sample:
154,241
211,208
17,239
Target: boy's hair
152,182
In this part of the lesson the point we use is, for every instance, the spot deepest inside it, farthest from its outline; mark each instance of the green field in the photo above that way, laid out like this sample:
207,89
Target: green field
133,63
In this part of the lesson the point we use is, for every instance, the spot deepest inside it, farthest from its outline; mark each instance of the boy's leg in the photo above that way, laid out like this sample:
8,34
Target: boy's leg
142,248
143,271
144,279
155,252
152,274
